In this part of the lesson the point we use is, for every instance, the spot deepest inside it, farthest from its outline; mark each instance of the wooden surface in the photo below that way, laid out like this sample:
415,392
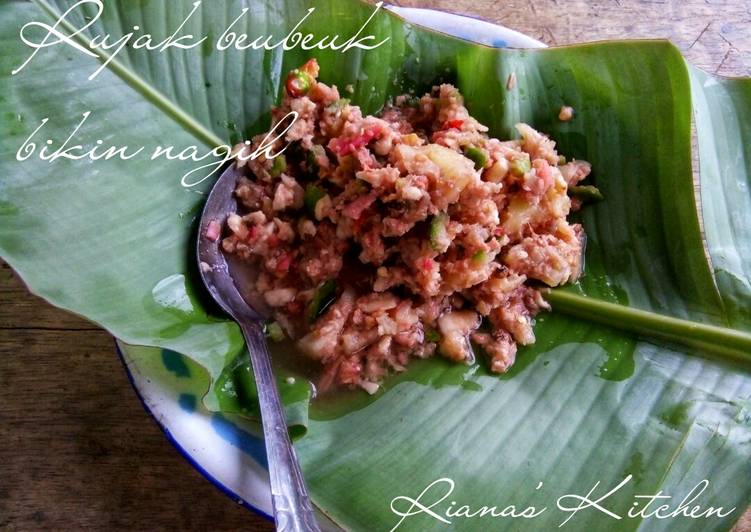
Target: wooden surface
712,34
77,449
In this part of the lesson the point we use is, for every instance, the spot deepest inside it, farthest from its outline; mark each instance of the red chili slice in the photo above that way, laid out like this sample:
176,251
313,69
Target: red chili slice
453,124
347,145
283,264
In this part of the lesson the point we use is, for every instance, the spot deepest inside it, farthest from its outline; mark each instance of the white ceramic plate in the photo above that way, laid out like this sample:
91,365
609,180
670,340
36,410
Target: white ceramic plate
229,451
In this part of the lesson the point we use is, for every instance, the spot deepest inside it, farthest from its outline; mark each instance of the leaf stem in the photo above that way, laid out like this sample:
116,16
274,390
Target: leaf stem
729,343
135,81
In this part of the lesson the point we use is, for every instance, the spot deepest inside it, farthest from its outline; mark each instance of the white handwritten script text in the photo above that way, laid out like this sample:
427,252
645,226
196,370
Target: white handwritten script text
432,502
72,148
106,47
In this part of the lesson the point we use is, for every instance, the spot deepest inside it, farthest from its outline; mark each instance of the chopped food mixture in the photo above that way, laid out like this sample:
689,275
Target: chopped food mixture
378,239
566,113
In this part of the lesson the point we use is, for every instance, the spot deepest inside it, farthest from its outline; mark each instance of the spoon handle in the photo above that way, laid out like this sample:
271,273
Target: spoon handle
292,508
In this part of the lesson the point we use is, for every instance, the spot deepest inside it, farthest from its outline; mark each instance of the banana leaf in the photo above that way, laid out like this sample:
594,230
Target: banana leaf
642,369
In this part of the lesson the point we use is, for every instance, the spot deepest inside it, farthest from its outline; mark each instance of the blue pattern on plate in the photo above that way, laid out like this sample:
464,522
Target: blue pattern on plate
175,364
246,442
187,402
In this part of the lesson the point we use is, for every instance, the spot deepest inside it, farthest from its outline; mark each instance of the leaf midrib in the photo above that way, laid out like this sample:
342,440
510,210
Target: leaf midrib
140,85
728,343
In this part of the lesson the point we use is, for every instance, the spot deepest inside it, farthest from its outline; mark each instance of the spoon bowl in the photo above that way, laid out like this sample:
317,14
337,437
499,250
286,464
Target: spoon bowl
213,265
292,508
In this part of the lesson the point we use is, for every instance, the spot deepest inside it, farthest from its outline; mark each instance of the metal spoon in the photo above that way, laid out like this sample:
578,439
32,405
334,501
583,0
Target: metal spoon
292,508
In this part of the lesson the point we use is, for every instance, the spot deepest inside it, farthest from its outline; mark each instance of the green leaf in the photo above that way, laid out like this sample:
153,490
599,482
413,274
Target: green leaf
723,124
238,394
641,369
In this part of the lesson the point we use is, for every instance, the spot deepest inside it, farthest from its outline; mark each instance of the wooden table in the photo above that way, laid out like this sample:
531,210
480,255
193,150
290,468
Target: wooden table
77,449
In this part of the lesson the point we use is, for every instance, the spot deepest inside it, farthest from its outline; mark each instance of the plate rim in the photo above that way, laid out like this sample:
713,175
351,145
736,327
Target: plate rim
182,451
